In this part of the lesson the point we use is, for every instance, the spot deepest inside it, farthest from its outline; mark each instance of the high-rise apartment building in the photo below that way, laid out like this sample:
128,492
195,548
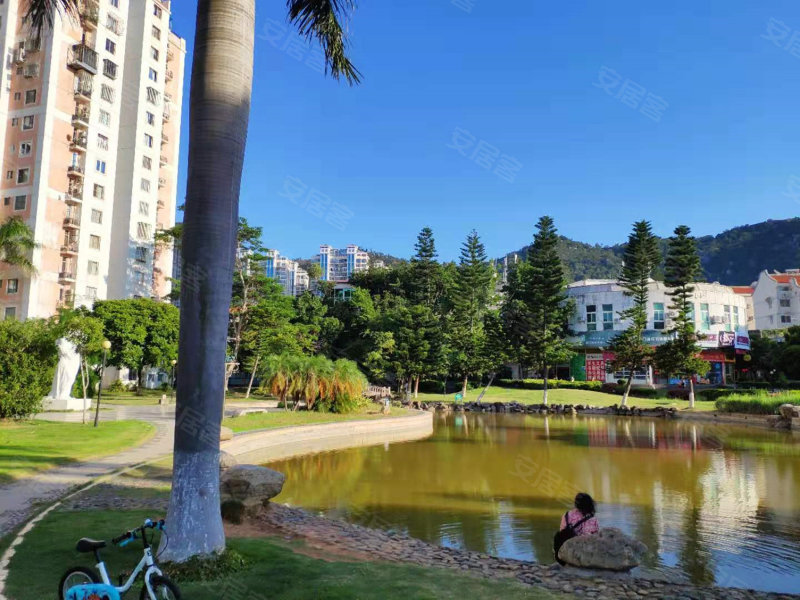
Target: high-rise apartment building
339,264
287,272
90,118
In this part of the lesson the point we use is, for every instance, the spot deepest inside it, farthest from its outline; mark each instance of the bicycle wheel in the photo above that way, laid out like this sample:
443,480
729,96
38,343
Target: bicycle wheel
163,588
77,576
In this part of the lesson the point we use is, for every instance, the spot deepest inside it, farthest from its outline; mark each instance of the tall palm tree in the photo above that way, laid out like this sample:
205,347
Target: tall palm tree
221,87
16,244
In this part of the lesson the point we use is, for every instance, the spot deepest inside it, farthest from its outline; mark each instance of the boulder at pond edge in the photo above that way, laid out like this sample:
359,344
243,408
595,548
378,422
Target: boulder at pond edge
609,549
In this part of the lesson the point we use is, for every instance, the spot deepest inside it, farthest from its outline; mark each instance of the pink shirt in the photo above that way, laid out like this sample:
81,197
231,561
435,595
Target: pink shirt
588,527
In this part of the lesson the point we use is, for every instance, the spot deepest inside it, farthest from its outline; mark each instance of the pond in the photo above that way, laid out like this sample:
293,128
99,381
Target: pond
719,504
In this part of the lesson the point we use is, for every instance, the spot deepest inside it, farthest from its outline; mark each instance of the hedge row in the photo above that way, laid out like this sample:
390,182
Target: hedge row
538,384
760,403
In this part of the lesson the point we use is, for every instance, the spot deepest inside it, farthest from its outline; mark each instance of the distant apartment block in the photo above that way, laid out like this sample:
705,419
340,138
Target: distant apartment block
776,300
90,119
339,264
287,272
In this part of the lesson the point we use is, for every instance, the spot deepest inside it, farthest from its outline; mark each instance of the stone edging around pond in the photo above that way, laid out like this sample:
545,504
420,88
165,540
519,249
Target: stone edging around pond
259,447
359,542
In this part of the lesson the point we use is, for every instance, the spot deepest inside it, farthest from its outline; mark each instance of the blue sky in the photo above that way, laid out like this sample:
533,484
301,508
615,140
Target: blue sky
597,114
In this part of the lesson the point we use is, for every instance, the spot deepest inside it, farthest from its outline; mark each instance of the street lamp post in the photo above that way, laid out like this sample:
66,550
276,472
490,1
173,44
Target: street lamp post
172,380
106,347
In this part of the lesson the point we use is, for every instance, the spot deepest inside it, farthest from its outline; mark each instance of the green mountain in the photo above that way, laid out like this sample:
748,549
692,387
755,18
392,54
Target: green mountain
733,257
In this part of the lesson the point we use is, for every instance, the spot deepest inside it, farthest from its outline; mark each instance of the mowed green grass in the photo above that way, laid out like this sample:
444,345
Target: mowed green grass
275,570
567,396
281,418
27,447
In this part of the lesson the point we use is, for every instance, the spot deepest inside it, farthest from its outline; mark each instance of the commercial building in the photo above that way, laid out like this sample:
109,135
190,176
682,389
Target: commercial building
90,119
720,316
287,272
776,300
338,265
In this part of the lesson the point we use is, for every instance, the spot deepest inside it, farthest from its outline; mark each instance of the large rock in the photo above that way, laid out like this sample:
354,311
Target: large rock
789,411
609,549
225,434
243,489
226,461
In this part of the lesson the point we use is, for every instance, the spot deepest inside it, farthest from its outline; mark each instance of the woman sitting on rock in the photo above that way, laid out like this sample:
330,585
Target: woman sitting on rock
581,519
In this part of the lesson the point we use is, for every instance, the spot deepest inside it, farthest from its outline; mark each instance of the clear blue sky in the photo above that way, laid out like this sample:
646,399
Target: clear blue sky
523,78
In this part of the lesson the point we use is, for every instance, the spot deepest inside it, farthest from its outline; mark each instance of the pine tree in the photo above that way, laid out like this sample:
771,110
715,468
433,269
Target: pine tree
470,296
425,270
680,356
546,301
641,257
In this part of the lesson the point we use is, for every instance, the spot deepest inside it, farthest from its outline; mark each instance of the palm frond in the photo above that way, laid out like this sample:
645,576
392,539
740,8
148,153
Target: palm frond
320,19
41,14
16,243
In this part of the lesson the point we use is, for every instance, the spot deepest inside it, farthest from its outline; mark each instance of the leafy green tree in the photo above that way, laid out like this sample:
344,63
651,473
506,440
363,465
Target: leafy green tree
314,273
641,257
16,244
470,296
680,355
546,301
143,333
311,313
26,369
86,332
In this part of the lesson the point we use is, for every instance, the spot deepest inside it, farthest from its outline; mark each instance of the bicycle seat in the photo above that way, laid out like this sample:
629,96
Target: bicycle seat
88,545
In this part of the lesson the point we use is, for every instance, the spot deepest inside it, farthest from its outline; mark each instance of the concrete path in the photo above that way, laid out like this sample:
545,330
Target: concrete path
20,499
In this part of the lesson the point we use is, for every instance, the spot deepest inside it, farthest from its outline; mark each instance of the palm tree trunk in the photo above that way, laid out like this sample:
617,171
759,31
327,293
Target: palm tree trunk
222,75
464,386
416,387
691,392
252,377
627,391
544,387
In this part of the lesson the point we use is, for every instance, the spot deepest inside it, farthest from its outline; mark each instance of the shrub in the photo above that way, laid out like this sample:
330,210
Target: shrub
679,394
538,384
117,387
26,369
760,403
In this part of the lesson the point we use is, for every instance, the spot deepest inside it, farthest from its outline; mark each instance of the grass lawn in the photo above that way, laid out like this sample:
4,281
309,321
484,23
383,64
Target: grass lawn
281,418
275,569
567,396
30,446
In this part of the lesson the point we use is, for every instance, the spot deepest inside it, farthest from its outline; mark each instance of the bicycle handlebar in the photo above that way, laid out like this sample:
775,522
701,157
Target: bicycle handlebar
129,536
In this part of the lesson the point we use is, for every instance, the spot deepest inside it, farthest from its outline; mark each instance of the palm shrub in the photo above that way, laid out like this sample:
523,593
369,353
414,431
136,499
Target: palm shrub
347,387
278,375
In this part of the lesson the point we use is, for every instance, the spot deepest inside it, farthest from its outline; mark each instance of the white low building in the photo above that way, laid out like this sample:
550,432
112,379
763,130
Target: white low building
776,300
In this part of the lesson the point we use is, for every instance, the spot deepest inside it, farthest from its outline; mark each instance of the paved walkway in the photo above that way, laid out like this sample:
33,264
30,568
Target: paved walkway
20,499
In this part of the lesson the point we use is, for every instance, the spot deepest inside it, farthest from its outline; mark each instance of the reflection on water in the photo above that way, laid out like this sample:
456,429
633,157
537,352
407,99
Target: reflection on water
721,504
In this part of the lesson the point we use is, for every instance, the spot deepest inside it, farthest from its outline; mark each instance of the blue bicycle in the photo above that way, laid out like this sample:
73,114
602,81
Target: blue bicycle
157,586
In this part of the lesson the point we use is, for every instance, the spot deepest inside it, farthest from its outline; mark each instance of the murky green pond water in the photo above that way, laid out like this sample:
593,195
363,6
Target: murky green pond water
719,504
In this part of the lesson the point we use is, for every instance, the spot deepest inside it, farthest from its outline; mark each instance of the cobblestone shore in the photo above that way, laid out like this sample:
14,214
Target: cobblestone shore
365,542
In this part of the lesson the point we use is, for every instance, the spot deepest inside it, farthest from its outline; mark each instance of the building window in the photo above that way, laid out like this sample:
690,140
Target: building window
97,216
145,185
736,317
153,95
11,313
91,293
156,32
151,118
147,163
785,319
153,75
154,53
102,142
17,96
109,68
12,286
99,192
112,24
141,254
785,302
107,93
105,118
14,121
608,317
144,231
27,122
93,268
659,319
100,166
20,202
705,319
30,97
114,3
157,11
111,46
25,148
94,242
591,317
148,140
727,317
144,208
23,176
9,174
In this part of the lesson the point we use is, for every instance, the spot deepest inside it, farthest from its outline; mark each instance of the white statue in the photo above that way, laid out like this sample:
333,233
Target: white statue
69,363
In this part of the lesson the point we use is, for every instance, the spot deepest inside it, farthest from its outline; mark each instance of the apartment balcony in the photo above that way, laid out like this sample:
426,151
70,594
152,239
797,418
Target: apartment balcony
162,182
75,171
72,221
167,113
69,248
160,203
67,301
33,45
90,15
80,120
74,195
164,138
66,276
170,53
79,143
163,161
83,88
82,58
169,75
